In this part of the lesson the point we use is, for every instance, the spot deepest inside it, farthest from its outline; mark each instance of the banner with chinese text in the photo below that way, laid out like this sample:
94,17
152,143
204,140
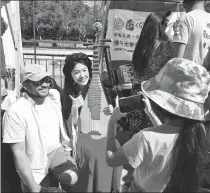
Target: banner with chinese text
125,24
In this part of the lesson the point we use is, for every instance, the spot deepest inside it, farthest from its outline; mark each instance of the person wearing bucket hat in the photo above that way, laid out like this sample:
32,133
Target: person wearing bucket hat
172,156
34,129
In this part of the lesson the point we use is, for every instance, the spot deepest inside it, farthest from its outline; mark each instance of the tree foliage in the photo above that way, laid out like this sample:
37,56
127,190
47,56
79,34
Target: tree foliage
71,20
26,19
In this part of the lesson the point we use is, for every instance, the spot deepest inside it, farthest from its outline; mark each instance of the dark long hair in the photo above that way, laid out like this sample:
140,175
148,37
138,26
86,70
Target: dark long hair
150,32
70,87
189,156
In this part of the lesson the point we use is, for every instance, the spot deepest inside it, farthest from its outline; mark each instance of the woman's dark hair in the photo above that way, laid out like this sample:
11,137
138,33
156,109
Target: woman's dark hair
70,63
54,85
70,87
189,156
144,48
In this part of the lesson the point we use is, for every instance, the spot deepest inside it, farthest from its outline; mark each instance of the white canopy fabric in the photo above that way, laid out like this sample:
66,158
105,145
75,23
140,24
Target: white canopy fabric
8,46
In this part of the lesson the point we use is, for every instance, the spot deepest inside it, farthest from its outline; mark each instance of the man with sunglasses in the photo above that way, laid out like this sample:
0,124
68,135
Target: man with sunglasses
34,129
192,32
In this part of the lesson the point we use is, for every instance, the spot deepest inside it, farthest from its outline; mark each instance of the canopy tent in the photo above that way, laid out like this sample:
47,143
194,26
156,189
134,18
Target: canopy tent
11,40
125,20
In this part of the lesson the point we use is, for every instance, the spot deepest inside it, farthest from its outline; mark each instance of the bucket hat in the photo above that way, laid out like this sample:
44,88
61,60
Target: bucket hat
181,88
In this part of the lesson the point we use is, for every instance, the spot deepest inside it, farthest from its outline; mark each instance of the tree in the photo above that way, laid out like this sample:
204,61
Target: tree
57,19
49,18
26,19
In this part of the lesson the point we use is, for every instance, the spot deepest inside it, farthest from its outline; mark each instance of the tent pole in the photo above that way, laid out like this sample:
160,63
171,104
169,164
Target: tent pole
34,31
0,64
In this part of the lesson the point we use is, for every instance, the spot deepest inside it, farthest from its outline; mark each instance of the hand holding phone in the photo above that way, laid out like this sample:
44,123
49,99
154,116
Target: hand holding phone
117,113
131,103
149,111
147,108
108,110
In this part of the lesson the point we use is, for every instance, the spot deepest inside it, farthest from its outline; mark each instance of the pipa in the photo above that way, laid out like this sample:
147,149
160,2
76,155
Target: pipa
93,120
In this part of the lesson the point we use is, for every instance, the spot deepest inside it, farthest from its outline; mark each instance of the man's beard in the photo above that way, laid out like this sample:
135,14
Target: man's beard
36,95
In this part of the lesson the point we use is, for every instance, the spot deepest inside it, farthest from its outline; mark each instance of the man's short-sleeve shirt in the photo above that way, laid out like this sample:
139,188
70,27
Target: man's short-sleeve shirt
21,122
193,29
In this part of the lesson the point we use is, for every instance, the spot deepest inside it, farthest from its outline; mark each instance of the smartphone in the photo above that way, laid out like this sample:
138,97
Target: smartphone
131,103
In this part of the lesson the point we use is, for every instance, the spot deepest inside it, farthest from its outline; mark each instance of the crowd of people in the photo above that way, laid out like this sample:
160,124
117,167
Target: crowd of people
168,147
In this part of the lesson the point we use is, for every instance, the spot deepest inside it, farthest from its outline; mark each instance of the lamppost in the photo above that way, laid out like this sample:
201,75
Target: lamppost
34,31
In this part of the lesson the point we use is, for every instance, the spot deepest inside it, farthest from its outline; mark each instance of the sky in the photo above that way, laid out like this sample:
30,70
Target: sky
90,3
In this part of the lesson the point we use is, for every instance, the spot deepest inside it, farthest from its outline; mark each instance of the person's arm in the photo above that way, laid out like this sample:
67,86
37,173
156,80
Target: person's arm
114,156
178,50
154,119
132,152
149,111
75,115
76,104
14,134
182,30
108,110
23,166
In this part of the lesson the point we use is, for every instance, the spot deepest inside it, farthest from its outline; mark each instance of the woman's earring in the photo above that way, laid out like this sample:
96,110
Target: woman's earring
74,83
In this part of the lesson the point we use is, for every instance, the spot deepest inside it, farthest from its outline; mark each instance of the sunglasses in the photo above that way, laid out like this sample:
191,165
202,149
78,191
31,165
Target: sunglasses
46,79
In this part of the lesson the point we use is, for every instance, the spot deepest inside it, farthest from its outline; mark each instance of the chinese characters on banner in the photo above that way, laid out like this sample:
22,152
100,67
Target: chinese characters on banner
124,28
